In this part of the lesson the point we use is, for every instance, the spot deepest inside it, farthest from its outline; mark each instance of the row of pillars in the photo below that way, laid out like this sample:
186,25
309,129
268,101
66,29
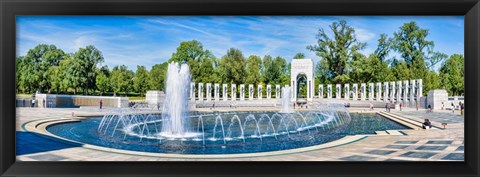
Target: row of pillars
233,96
405,91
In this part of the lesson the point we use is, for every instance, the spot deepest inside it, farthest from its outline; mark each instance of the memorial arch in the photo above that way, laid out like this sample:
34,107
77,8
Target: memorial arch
302,67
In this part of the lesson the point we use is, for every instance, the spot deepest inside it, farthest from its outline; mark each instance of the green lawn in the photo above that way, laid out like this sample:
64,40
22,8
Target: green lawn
136,98
20,95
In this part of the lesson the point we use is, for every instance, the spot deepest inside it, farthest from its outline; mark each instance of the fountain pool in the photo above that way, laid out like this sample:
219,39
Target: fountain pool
178,131
227,133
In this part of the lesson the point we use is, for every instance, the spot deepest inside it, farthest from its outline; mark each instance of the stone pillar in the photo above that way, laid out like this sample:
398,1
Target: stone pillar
269,91
311,88
355,92
209,91
378,89
405,92
386,92
412,93
338,90
192,91
392,92
225,92
217,92
371,91
250,91
294,90
234,92
320,91
200,91
329,91
419,89
363,91
346,95
399,91
277,91
242,92
259,92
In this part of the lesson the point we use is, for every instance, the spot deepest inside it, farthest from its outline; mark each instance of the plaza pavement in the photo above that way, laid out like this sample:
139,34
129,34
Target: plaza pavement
416,145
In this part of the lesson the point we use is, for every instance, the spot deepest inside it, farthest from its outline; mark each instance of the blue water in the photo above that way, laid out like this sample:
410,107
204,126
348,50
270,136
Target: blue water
86,132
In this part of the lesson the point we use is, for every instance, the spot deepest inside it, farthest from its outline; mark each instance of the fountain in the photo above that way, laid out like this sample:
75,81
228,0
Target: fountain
176,127
175,107
286,103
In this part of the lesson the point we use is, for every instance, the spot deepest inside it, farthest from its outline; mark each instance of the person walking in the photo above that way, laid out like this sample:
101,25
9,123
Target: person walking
400,106
386,107
43,102
453,108
101,104
462,107
33,103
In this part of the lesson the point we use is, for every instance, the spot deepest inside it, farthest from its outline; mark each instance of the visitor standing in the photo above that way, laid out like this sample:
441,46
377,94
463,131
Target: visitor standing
400,106
386,107
43,102
443,106
101,104
417,105
33,103
453,108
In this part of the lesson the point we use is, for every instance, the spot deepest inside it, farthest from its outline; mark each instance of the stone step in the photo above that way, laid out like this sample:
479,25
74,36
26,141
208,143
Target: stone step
401,121
381,132
393,132
414,122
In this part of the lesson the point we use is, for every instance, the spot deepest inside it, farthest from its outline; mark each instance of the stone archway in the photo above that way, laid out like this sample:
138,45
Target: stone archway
305,67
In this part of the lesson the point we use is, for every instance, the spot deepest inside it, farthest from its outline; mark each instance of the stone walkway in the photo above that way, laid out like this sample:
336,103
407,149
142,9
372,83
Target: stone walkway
416,145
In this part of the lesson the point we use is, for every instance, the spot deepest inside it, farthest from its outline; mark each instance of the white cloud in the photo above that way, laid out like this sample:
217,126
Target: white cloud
364,35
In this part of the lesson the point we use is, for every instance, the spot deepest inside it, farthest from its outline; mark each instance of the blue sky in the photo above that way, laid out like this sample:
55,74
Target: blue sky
142,40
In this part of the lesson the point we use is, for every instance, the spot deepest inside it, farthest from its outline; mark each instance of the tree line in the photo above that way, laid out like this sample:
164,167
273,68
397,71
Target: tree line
48,69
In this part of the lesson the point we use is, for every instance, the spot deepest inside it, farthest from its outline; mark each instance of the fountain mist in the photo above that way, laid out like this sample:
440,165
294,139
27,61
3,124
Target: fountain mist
175,107
286,103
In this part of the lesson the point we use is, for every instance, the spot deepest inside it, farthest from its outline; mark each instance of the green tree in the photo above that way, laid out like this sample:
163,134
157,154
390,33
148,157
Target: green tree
375,67
72,73
140,81
254,63
88,58
452,73
35,65
102,80
299,56
208,69
231,67
383,48
55,77
400,70
20,82
158,74
412,44
337,51
274,70
121,79
193,54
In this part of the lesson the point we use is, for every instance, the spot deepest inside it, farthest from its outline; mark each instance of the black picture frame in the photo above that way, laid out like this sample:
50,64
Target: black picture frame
11,8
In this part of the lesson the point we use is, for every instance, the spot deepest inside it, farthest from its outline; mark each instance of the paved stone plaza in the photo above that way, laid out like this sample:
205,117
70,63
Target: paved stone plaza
413,145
